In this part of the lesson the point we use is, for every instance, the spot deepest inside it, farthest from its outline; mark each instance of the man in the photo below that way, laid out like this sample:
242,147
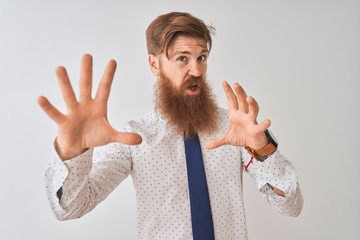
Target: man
155,150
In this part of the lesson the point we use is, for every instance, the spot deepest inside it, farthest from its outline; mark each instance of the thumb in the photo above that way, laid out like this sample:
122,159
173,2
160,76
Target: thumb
127,138
215,143
264,125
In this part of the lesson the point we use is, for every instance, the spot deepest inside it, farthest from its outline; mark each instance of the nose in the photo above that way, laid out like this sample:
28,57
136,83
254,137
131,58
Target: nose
195,69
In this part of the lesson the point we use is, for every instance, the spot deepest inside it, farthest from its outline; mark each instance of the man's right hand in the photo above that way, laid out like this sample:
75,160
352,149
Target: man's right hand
85,125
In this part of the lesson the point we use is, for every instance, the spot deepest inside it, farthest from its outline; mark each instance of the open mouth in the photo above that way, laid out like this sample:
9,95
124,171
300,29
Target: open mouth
193,89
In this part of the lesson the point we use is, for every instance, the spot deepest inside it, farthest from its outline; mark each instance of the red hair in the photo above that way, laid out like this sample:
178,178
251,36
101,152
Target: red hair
165,28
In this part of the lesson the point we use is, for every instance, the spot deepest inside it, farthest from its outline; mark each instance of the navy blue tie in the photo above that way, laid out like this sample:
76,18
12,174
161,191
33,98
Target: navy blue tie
201,219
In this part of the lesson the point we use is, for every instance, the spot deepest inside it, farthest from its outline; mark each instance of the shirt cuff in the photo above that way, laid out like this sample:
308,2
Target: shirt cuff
58,172
276,170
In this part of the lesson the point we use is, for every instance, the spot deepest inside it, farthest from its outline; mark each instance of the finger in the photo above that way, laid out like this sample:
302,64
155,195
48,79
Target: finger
126,138
264,125
66,88
232,101
241,96
85,78
254,108
50,110
103,90
215,143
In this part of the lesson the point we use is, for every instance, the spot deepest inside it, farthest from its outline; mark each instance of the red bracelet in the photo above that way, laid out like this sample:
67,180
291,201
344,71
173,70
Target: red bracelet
249,163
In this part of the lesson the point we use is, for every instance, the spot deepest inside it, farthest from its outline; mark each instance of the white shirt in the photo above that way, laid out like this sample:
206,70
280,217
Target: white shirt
158,170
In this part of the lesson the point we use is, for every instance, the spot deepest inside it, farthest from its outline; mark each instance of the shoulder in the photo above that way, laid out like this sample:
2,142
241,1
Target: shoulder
150,124
223,119
223,114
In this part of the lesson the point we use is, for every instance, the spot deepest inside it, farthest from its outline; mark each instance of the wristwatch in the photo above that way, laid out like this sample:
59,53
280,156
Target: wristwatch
266,151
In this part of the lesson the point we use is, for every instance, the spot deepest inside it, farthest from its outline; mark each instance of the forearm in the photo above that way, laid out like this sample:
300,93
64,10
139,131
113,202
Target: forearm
86,182
72,179
277,191
276,178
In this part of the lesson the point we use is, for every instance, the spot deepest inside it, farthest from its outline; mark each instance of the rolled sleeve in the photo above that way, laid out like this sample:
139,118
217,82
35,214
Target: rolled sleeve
57,173
86,180
279,172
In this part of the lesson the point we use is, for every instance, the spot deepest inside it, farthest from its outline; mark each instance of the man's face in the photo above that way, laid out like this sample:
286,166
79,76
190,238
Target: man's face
182,93
187,59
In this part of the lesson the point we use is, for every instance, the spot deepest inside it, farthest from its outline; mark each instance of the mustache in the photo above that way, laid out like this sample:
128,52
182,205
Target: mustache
192,81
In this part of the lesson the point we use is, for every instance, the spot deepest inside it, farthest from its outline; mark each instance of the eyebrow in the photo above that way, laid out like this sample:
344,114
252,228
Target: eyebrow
188,53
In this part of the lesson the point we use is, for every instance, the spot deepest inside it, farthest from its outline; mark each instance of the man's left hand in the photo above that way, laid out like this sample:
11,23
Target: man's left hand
244,131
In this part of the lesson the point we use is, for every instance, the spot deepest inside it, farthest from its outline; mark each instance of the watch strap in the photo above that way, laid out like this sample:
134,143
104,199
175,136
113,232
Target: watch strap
263,153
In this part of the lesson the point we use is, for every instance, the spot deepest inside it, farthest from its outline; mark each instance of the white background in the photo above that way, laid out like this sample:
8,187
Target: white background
299,59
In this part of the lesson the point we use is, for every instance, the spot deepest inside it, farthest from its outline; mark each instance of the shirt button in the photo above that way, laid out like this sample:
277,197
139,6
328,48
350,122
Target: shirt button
265,170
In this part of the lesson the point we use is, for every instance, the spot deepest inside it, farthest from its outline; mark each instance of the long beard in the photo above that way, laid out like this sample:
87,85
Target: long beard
189,114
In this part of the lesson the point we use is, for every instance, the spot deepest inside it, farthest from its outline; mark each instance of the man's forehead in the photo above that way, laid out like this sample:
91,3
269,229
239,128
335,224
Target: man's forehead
187,45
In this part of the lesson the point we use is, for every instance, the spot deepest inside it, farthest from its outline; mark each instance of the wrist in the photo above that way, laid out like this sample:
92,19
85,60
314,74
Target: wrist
66,154
267,150
261,143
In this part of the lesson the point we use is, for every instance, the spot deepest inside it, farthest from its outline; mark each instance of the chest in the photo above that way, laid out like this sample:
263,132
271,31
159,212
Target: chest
161,163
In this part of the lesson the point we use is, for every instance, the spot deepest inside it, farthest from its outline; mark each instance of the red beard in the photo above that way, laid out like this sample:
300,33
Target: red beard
190,114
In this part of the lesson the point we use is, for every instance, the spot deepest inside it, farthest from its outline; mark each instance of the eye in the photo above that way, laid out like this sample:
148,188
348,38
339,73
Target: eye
181,59
201,58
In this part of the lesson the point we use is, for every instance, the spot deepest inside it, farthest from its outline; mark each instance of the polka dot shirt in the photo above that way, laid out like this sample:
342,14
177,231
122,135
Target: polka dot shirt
158,170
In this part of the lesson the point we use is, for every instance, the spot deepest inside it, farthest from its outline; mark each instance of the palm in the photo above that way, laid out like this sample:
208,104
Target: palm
243,129
85,125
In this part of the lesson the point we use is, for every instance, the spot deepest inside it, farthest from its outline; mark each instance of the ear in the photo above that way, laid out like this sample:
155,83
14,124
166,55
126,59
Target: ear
154,64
